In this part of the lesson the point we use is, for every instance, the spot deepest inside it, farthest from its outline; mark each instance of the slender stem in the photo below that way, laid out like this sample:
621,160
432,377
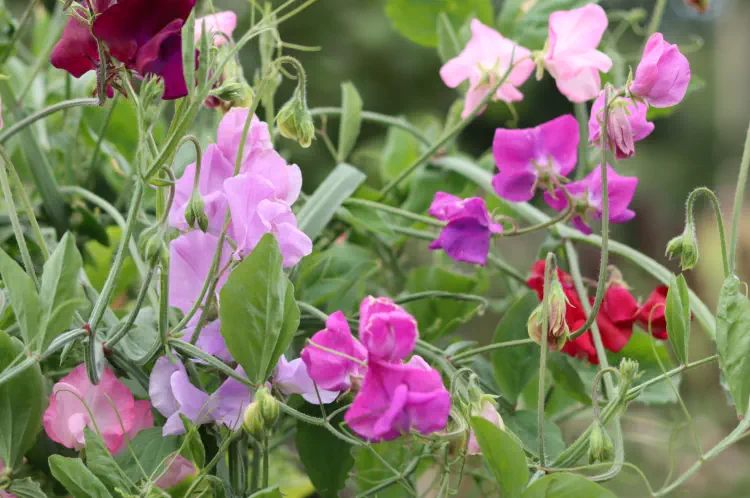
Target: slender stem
634,391
506,268
548,269
656,17
29,360
582,116
375,117
408,471
719,221
490,347
29,120
394,210
14,221
738,202
123,331
309,308
561,217
266,459
418,296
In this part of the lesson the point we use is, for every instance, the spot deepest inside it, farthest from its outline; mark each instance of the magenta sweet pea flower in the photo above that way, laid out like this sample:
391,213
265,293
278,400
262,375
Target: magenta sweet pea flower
191,256
219,24
178,468
587,194
467,235
487,410
528,158
292,377
399,397
572,58
76,403
627,125
386,330
331,371
485,60
663,75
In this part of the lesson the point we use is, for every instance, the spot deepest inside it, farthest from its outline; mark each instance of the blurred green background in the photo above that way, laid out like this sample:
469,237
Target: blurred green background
699,144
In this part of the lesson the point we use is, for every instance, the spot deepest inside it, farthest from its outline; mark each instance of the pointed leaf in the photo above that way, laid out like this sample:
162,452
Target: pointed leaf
733,341
566,486
351,120
77,479
505,457
677,313
101,463
418,21
259,314
23,297
523,424
60,293
188,51
568,378
26,488
152,450
267,493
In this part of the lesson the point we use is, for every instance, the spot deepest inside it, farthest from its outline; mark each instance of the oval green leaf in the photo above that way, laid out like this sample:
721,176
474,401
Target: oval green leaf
566,486
505,457
733,341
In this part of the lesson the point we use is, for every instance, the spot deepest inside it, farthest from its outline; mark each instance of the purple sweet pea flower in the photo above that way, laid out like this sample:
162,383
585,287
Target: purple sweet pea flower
178,468
210,340
627,125
232,399
387,331
292,377
467,235
398,397
587,194
527,157
328,370
663,75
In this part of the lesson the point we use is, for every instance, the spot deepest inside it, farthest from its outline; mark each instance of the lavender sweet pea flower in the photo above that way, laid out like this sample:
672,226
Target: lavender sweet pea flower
229,135
627,125
467,235
398,397
210,339
587,194
292,377
331,371
663,75
387,331
527,157
231,398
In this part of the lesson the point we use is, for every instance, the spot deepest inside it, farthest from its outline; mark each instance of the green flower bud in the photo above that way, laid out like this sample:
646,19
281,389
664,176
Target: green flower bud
252,420
295,122
557,328
151,244
269,407
684,246
152,92
195,212
629,370
601,448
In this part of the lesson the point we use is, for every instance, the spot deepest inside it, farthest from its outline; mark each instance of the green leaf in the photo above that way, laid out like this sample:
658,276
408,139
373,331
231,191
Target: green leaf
328,474
23,297
566,486
523,423
527,22
504,455
188,51
152,450
77,479
447,40
194,449
516,366
733,341
144,334
21,404
101,463
60,293
26,488
268,493
438,317
677,313
568,378
327,198
351,120
418,20
371,470
259,314
400,151
696,85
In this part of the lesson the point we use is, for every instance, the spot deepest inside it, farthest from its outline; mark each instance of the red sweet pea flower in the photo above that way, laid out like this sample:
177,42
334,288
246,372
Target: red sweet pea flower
656,302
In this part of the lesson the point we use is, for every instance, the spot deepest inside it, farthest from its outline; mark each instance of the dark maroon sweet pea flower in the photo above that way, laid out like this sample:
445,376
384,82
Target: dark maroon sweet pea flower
162,55
76,51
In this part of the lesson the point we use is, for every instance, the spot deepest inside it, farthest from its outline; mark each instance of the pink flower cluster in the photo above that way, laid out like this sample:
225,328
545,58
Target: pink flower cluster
393,396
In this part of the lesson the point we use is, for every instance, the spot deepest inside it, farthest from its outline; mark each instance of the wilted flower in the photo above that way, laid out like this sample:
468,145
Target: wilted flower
627,125
663,75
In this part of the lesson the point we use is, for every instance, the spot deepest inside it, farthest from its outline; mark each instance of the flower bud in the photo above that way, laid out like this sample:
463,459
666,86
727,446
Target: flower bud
600,445
629,370
686,247
252,420
152,92
151,244
269,407
295,122
195,212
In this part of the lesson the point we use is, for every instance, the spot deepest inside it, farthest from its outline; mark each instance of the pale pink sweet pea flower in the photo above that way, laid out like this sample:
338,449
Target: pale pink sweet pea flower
331,371
572,58
485,60
386,330
219,24
178,469
229,135
663,75
292,377
488,411
76,404
526,157
398,397
627,125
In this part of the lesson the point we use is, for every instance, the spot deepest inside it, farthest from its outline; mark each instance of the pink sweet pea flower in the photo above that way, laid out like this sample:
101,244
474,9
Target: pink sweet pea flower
467,235
210,339
485,60
572,58
587,193
219,24
488,411
292,377
396,398
663,75
229,135
331,371
76,403
178,469
530,156
386,330
627,125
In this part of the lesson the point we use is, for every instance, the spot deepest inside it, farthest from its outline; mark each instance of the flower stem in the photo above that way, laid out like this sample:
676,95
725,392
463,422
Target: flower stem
29,120
656,17
719,220
394,210
375,117
123,331
550,263
490,347
738,202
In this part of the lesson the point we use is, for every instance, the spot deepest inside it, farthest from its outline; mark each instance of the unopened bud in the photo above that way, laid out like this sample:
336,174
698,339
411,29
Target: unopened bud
252,420
152,92
601,448
152,245
557,332
195,212
295,122
684,246
629,370
269,407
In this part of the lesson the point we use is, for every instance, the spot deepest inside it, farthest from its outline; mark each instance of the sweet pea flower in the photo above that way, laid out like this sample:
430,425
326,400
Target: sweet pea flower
210,339
331,371
467,235
292,377
76,404
663,75
178,468
627,125
387,331
653,309
398,397
219,24
587,194
527,158
191,256
484,61
572,58
616,316
488,411
229,135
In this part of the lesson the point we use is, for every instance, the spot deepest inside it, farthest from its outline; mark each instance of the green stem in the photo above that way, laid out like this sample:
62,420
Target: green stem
375,117
58,343
394,210
255,467
490,347
102,132
719,221
29,120
738,202
506,268
582,116
418,296
656,17
548,269
634,391
123,331
266,461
